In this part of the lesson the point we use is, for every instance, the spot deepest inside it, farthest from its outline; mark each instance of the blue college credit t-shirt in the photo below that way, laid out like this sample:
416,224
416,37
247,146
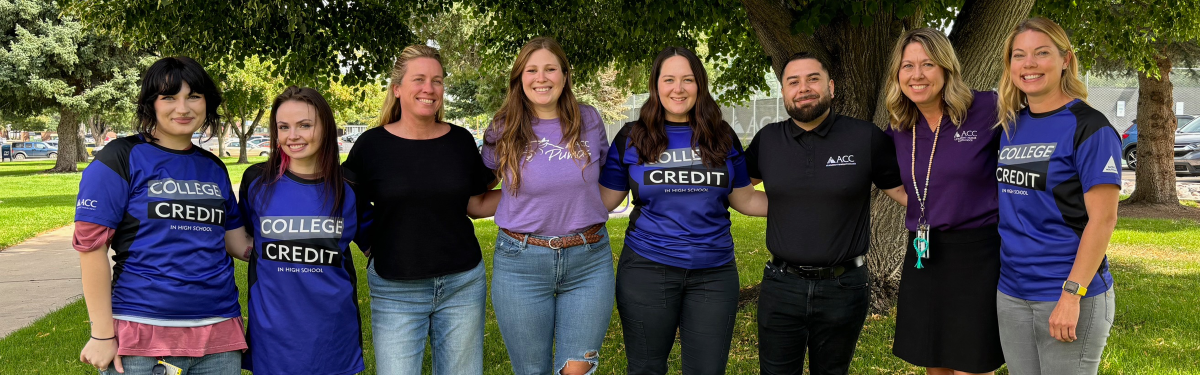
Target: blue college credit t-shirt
303,300
680,216
1047,162
170,210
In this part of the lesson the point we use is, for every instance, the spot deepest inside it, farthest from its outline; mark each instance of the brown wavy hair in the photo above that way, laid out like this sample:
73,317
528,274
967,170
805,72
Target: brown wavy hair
511,130
1012,99
328,160
956,95
710,133
391,107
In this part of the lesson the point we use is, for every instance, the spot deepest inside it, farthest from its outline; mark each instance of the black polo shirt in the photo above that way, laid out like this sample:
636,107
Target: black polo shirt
818,184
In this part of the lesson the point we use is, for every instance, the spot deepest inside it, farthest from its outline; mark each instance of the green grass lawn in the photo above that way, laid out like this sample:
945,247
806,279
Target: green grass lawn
1157,330
1156,264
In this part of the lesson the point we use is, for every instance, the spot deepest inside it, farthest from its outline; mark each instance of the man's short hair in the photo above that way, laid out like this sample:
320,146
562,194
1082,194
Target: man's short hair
804,55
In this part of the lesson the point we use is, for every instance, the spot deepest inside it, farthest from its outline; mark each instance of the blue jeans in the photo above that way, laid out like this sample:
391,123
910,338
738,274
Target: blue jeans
448,310
545,297
225,363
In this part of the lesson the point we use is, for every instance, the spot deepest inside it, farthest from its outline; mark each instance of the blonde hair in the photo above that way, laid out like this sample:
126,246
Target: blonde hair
956,95
391,107
511,129
1013,99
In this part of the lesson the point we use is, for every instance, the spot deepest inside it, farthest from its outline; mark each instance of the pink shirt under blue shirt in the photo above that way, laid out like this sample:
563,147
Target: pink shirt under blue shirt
559,195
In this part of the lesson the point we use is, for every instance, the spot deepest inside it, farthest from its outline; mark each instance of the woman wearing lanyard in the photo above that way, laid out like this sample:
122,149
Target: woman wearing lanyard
426,273
552,274
946,147
677,272
1060,175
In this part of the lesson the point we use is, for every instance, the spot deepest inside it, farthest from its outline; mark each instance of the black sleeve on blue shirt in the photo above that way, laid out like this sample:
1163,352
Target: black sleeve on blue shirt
104,187
615,175
246,201
752,157
364,210
740,176
1097,155
885,172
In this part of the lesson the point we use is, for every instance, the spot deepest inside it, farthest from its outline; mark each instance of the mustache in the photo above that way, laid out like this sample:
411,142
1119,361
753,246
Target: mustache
806,97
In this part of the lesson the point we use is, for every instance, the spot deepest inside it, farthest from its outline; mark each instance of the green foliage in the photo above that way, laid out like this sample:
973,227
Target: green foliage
1129,33
309,42
355,104
48,61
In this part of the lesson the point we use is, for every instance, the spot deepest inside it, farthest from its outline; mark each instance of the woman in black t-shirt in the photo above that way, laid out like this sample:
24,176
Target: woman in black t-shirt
424,177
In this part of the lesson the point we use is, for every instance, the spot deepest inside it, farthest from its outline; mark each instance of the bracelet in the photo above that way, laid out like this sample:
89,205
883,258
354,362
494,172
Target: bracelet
100,339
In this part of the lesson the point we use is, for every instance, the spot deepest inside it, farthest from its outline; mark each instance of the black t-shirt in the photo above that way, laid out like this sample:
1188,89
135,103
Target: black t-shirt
819,186
420,189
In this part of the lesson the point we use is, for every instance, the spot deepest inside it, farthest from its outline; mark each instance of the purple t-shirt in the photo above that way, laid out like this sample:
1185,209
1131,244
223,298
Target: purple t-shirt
962,188
556,197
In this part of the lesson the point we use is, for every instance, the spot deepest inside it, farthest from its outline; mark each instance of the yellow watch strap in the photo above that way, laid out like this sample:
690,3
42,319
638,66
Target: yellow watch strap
1082,291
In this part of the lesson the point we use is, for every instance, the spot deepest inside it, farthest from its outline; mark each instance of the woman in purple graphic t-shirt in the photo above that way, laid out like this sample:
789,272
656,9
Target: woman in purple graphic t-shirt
552,275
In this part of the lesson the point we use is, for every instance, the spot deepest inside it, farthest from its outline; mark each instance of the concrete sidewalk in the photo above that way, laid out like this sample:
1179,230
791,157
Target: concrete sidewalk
37,277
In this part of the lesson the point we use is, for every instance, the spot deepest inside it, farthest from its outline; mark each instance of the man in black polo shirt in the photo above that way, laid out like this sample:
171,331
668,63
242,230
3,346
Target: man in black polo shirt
818,168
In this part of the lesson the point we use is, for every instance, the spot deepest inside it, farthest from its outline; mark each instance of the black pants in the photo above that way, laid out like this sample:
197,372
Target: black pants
655,300
822,317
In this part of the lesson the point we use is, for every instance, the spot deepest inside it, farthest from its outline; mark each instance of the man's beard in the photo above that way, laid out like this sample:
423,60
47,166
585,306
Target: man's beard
810,112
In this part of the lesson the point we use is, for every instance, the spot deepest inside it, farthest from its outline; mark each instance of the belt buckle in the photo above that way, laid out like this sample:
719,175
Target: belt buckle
553,246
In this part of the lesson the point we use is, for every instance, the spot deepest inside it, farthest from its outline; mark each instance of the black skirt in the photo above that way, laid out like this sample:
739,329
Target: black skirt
946,313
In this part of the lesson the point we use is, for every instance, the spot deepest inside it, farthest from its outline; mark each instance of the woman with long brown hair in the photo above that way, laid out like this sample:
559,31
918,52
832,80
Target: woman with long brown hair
425,179
677,272
552,274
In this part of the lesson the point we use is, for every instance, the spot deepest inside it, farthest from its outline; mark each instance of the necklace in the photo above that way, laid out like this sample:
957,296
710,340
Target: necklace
921,243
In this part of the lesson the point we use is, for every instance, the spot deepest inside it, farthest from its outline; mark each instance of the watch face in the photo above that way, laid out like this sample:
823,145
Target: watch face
1071,286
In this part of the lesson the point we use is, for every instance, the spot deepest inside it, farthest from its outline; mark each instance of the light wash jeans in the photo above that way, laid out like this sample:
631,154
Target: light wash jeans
225,363
545,298
447,310
1030,350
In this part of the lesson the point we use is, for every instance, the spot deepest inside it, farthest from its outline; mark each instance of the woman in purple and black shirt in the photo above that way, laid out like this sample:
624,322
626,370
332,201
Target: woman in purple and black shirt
945,317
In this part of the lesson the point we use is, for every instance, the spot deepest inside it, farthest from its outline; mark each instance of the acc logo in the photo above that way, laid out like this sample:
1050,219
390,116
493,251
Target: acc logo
86,203
965,135
840,160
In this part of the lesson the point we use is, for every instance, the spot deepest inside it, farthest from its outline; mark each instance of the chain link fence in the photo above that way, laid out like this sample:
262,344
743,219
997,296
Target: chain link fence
1116,97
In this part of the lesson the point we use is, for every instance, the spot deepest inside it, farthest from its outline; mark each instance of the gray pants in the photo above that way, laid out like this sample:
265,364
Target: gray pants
1030,350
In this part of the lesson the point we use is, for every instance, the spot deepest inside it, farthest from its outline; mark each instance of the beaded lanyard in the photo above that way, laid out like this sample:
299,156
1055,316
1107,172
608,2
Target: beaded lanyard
921,243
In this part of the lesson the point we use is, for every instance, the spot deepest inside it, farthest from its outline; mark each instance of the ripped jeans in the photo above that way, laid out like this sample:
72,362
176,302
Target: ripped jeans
545,297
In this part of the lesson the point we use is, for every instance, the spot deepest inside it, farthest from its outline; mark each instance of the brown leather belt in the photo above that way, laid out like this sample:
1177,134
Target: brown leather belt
560,242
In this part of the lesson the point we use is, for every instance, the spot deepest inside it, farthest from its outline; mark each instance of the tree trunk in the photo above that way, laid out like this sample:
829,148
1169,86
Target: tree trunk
858,56
81,146
1156,138
68,135
979,35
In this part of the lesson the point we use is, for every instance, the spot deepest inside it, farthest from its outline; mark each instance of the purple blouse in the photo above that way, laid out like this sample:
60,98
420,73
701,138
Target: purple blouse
962,185
557,196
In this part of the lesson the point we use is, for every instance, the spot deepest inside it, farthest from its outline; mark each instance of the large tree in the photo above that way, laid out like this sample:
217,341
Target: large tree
49,62
1167,32
743,40
248,88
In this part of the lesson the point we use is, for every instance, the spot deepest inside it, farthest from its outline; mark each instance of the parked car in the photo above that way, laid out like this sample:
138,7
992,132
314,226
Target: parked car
351,137
23,150
233,148
1129,138
1187,149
